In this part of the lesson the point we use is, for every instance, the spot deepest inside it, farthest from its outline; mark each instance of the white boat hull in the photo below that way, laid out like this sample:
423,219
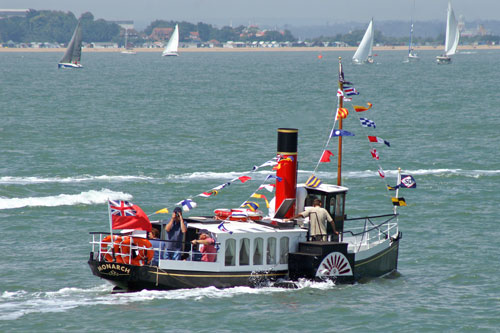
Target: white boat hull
69,65
443,60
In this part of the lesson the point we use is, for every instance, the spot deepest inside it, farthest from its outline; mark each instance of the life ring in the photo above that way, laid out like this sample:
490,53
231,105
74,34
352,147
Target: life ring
106,242
222,213
243,214
136,251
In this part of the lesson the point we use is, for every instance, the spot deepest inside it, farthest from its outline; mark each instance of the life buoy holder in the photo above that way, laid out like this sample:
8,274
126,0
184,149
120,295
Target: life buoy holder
222,213
107,246
136,251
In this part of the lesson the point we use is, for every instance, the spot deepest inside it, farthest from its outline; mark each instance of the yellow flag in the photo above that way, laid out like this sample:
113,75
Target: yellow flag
162,211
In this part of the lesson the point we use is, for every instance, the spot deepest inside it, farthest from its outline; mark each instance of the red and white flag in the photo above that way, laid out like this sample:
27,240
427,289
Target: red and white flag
381,172
374,153
126,215
379,140
340,93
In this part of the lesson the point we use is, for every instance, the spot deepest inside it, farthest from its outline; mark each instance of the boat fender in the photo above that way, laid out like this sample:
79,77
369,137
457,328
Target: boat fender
116,247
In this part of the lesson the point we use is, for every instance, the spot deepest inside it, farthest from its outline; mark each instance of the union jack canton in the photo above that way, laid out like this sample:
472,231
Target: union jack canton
121,208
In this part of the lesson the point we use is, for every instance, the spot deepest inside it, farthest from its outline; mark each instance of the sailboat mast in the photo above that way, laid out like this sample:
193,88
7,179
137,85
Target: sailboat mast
341,104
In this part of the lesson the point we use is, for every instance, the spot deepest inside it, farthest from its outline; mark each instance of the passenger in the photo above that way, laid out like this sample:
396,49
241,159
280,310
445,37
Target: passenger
176,228
158,246
206,248
317,221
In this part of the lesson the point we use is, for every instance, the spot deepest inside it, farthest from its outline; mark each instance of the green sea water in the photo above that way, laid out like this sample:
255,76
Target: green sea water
157,130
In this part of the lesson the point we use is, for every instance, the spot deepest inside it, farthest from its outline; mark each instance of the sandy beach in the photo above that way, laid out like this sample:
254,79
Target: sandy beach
249,49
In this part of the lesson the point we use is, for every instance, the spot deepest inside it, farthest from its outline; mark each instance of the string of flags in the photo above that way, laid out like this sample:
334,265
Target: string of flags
407,181
189,204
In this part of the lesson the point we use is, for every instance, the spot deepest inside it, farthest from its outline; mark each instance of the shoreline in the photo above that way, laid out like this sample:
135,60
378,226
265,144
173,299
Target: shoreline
260,49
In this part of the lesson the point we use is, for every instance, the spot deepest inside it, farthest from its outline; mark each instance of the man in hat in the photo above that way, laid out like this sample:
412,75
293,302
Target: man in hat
176,228
318,217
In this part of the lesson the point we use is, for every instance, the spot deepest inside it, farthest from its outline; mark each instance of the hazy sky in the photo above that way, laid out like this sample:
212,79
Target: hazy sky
266,12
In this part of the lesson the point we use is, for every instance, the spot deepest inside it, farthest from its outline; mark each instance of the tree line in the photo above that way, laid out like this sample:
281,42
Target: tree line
57,27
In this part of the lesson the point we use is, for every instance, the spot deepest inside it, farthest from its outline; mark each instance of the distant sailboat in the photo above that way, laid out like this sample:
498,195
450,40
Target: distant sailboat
412,56
173,43
73,54
364,52
128,50
452,37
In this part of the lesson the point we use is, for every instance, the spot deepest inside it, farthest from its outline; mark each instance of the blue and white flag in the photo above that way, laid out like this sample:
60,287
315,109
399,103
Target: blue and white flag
365,122
275,177
187,204
349,91
408,181
338,132
221,227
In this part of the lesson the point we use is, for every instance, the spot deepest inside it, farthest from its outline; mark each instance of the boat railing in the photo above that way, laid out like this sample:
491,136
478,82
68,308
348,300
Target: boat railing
102,249
371,232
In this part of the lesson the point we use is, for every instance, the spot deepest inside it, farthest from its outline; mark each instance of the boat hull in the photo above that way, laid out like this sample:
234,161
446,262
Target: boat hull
443,60
170,55
69,65
382,262
135,278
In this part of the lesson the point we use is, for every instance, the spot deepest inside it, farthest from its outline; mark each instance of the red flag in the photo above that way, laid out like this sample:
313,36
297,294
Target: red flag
381,172
244,178
125,215
374,153
326,156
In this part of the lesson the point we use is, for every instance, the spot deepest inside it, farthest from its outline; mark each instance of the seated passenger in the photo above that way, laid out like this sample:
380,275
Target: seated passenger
206,248
158,246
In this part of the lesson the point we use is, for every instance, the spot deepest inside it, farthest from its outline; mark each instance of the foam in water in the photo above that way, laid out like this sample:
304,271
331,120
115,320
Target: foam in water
77,179
87,198
14,305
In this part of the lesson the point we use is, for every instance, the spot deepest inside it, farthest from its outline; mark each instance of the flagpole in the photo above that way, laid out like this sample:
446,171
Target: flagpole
111,230
341,104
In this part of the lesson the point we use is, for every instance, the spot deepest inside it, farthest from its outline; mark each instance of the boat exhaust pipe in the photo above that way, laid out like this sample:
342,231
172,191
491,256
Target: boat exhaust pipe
287,167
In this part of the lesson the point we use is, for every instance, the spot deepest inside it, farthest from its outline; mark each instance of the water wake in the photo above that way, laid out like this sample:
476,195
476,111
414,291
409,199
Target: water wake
14,305
65,180
84,198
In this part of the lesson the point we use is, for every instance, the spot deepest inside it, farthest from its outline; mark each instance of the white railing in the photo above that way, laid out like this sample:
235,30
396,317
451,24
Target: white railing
370,234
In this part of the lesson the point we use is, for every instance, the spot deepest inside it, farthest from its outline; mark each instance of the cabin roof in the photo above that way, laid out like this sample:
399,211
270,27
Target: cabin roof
235,227
327,188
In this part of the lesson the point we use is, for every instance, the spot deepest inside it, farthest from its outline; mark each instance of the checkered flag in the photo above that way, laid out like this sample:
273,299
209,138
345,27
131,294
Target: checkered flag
365,122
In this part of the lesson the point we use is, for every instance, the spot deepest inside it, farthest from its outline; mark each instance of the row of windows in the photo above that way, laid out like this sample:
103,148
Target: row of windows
253,254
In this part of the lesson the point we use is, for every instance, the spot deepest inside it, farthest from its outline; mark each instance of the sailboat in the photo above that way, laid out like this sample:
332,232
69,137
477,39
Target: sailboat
128,50
248,247
73,54
173,43
412,56
364,52
452,37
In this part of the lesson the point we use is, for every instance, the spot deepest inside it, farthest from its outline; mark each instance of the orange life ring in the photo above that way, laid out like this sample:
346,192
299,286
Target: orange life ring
136,251
222,213
106,242
243,214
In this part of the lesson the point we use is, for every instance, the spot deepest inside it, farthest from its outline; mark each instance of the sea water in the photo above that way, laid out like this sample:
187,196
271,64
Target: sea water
158,130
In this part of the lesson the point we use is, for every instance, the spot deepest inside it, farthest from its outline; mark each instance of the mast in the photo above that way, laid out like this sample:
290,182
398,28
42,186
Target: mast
341,104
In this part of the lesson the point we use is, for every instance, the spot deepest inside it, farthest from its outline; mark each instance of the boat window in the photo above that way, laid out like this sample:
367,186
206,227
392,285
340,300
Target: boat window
258,246
271,251
339,207
310,199
331,206
284,250
245,251
230,249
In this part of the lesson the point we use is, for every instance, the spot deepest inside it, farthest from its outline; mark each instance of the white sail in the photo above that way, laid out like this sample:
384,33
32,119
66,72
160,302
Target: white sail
452,33
364,51
73,53
173,43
